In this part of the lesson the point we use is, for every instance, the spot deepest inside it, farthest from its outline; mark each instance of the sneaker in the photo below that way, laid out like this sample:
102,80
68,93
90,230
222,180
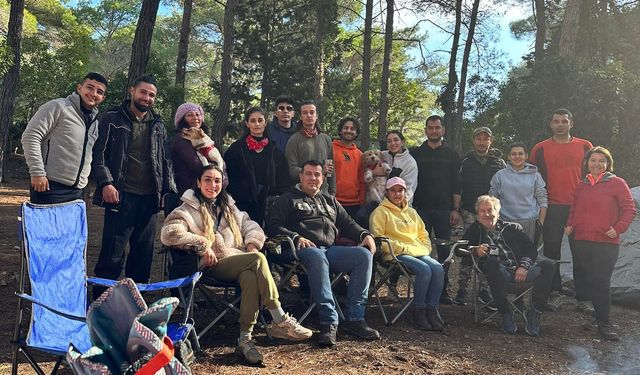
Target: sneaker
247,350
585,307
327,336
289,329
508,324
532,322
605,329
484,297
460,298
433,316
420,319
360,329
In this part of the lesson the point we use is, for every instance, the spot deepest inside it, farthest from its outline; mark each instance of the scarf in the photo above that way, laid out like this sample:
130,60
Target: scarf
255,144
310,133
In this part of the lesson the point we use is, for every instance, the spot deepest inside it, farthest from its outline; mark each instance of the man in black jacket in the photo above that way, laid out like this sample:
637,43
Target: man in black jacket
312,220
507,255
133,174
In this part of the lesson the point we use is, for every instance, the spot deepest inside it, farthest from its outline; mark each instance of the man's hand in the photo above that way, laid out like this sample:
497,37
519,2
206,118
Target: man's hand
209,258
568,230
369,243
521,274
480,250
252,248
611,233
110,194
303,242
40,183
454,217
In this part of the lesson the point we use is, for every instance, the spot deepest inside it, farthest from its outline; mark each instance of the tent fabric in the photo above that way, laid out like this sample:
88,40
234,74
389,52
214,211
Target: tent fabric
55,238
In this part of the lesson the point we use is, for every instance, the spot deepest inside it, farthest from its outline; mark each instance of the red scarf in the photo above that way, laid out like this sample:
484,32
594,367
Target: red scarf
255,145
310,133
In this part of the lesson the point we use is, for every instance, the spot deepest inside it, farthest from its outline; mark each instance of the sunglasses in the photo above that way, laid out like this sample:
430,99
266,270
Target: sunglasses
287,108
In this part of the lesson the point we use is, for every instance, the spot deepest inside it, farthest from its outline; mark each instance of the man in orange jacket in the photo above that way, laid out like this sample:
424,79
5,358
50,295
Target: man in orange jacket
350,186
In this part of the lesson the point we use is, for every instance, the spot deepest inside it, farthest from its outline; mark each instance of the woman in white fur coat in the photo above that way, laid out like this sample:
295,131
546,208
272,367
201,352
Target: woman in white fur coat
225,244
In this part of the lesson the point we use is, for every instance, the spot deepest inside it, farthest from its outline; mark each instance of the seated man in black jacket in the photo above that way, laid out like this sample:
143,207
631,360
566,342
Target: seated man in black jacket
312,220
507,255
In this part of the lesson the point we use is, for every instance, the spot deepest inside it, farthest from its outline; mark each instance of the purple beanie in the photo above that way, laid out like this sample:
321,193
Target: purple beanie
186,108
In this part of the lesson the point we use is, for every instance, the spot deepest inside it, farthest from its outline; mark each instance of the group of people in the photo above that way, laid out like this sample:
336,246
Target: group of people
285,179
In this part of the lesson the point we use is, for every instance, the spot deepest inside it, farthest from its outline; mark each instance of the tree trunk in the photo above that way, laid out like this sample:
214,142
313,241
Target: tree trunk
183,48
448,96
365,137
457,142
142,40
318,81
386,73
220,125
9,84
541,29
570,25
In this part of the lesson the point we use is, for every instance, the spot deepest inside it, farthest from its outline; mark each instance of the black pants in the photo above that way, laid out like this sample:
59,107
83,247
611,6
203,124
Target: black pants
552,232
132,221
596,261
498,276
57,193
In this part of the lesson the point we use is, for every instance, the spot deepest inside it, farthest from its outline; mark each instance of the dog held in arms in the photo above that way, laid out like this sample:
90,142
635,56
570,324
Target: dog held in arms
205,147
375,184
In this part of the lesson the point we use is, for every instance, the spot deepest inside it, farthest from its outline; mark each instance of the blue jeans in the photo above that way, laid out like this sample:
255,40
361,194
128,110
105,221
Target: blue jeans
356,261
429,281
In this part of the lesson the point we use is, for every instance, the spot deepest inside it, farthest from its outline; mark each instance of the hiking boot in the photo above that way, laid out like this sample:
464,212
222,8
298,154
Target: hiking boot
484,297
508,324
460,298
605,329
247,350
420,319
289,329
532,322
360,329
585,307
327,336
433,316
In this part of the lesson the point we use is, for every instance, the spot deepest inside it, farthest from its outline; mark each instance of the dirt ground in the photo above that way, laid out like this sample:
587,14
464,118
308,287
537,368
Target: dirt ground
464,348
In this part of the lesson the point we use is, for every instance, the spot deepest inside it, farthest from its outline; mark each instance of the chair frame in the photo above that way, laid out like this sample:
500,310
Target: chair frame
383,269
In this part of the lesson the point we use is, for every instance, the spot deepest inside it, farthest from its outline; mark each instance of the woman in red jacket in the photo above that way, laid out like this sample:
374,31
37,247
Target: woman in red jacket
603,208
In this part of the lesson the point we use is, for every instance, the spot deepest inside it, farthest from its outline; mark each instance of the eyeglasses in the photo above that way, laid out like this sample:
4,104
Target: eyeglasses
287,108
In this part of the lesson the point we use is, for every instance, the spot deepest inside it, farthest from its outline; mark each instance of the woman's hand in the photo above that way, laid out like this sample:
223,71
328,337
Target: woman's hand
611,233
209,258
252,248
568,230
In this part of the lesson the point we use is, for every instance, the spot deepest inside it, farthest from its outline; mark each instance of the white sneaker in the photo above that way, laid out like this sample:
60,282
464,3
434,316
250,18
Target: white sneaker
289,329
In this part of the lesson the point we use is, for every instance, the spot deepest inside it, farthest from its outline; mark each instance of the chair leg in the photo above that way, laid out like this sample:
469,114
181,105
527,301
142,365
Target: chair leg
57,365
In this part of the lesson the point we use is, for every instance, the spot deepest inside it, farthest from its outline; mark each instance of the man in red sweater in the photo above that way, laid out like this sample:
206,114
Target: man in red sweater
559,160
350,186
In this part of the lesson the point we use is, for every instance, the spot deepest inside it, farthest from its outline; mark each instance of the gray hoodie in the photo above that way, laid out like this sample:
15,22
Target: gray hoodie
521,193
57,143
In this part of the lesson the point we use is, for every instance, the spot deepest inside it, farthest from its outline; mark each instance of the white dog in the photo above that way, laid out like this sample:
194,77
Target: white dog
205,147
375,184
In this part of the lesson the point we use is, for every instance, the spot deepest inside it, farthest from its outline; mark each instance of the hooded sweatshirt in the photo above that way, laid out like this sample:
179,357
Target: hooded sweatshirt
350,186
522,193
279,135
403,227
403,165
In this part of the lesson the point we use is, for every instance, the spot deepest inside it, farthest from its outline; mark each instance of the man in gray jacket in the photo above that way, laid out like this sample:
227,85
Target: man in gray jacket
58,140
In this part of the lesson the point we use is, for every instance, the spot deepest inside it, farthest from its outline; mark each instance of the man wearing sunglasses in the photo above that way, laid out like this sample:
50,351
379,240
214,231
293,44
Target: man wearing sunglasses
280,128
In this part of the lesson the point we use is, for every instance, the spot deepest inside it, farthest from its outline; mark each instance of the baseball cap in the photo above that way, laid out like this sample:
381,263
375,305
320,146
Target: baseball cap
393,181
483,129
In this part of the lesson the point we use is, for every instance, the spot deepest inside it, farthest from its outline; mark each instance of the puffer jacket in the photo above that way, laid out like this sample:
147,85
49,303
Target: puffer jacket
475,177
403,227
57,142
317,218
111,153
184,227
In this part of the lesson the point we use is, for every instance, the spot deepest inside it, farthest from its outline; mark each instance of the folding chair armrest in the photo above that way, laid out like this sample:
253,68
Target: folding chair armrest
280,239
162,285
383,239
53,310
452,251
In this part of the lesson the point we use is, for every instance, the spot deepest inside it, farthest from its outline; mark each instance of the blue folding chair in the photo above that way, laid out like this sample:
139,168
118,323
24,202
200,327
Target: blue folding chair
54,244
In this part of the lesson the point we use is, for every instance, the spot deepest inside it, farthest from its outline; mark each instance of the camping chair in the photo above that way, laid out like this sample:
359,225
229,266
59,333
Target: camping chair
293,266
54,244
385,269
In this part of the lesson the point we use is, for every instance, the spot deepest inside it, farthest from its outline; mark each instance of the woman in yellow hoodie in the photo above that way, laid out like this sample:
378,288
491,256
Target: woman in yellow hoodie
410,243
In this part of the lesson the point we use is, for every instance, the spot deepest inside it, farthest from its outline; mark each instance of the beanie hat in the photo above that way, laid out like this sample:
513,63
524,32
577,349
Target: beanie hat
185,108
